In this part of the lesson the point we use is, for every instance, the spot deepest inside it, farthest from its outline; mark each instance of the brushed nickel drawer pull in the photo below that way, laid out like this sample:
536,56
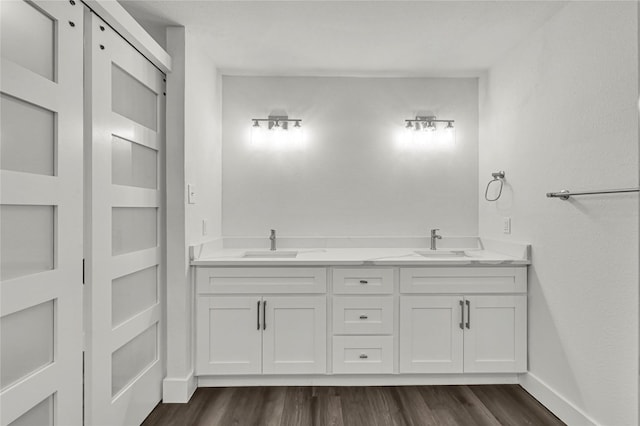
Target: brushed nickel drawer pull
264,315
364,282
462,314
468,313
363,317
364,356
258,311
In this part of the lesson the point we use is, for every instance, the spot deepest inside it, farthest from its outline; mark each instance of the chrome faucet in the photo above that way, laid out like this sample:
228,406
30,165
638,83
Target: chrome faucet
272,237
434,237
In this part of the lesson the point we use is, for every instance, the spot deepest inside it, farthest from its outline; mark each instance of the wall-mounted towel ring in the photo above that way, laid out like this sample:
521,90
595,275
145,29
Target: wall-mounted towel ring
497,176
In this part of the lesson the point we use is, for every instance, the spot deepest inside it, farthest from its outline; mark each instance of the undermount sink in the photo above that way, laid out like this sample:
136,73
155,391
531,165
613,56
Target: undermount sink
441,253
270,254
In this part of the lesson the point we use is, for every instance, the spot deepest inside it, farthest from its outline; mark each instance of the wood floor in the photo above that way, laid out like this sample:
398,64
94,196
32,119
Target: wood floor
356,406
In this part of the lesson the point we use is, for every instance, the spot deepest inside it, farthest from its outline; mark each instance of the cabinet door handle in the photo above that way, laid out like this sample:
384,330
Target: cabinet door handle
364,282
462,315
364,356
468,313
363,317
258,314
264,314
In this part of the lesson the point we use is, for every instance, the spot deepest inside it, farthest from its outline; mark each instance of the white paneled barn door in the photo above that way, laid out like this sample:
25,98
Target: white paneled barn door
123,221
41,213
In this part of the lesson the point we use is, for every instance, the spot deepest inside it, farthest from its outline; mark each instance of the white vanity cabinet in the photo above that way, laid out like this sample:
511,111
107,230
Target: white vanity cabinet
245,325
463,320
410,324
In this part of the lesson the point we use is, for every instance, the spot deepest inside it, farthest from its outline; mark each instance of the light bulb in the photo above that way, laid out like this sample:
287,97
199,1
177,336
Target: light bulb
296,133
448,136
257,134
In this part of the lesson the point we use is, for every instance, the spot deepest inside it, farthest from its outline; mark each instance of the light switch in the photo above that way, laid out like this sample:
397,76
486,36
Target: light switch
191,194
506,225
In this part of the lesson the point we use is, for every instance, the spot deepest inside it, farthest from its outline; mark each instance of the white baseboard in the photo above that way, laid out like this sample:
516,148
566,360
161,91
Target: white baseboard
178,390
556,403
357,380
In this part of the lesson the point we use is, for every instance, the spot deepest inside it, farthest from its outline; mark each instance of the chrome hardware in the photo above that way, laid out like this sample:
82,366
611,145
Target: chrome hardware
565,195
264,314
258,314
497,177
364,282
434,237
461,315
468,313
272,237
363,317
364,356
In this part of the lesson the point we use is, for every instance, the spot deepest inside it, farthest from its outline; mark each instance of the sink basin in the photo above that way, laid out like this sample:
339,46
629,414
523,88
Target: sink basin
268,254
441,253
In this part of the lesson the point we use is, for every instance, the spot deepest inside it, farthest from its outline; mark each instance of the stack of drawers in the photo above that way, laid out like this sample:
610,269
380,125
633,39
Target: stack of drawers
363,320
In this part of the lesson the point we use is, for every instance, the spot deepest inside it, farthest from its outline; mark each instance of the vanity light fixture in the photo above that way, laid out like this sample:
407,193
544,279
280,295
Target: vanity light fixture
423,130
277,131
427,123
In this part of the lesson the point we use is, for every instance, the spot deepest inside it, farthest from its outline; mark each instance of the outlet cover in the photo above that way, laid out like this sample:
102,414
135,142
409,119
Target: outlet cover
506,225
191,194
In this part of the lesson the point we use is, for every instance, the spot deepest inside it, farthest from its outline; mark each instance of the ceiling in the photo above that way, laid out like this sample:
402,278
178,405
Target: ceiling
350,38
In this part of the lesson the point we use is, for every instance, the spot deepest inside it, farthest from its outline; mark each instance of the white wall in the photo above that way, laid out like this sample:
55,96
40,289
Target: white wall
193,157
560,111
351,178
203,148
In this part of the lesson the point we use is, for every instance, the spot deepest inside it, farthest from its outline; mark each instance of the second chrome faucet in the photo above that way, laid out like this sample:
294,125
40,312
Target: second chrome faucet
272,237
434,237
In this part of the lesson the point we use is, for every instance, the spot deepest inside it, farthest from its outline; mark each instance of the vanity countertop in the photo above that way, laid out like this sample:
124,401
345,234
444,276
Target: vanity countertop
360,256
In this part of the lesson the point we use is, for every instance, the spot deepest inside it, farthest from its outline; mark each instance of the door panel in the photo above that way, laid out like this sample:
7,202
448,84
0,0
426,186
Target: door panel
295,335
28,135
41,212
229,335
28,244
123,223
431,339
28,34
41,414
495,339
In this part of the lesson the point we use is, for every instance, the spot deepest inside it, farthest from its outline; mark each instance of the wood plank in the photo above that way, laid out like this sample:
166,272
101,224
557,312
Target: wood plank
326,410
511,410
297,407
457,405
412,405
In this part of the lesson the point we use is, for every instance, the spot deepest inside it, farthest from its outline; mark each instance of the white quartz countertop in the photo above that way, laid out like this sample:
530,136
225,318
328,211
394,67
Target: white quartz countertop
480,256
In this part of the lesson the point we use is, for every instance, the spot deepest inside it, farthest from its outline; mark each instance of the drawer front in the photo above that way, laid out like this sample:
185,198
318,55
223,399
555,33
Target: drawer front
362,281
261,280
463,280
363,354
363,315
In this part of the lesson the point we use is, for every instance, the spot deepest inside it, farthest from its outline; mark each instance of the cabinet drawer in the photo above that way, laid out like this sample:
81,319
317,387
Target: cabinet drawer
463,280
362,354
261,280
362,281
363,315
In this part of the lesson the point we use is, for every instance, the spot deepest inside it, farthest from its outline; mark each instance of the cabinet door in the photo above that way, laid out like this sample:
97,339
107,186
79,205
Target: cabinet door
495,334
229,335
431,335
295,335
